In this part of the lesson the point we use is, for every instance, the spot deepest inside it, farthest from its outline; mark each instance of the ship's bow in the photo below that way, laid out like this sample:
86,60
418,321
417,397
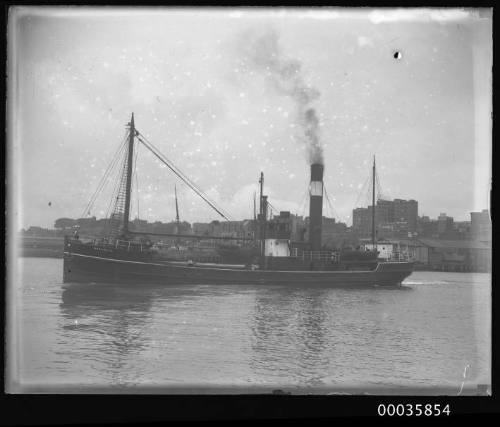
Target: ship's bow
393,273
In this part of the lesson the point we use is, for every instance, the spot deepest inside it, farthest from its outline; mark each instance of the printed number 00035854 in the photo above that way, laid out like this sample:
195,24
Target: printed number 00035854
416,410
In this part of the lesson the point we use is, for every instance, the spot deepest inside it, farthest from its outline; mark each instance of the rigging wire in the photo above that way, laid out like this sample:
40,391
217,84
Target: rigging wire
180,174
361,191
366,190
381,194
329,202
110,170
272,207
303,202
167,162
136,180
104,180
116,188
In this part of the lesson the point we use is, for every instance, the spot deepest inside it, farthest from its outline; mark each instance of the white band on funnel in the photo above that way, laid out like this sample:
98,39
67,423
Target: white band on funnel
316,188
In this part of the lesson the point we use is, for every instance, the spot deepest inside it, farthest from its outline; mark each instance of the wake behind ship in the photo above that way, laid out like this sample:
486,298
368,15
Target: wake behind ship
125,256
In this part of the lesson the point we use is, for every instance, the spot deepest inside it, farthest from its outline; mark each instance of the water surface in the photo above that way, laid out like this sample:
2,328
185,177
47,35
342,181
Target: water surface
425,337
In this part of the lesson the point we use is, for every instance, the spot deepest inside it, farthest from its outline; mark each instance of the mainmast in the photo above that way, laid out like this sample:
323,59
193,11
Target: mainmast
262,216
255,226
254,207
176,208
373,205
176,215
130,158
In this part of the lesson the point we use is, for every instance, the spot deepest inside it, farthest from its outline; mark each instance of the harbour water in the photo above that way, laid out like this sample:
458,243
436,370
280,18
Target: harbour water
432,336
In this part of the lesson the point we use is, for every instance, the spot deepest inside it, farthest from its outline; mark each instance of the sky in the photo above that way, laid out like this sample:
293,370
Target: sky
228,93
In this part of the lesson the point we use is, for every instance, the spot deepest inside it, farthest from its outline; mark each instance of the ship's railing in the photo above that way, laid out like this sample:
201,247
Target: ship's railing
134,246
400,257
329,256
103,243
130,246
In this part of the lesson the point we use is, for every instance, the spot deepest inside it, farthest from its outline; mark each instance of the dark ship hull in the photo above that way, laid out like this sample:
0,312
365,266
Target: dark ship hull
87,264
236,254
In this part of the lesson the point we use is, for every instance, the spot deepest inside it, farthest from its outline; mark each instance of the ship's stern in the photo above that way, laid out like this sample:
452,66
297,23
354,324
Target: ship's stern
67,260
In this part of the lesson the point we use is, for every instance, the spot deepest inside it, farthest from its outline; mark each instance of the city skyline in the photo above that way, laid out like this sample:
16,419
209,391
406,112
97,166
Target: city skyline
192,80
274,213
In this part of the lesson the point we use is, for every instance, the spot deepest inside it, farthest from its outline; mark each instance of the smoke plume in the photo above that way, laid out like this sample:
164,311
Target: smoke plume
284,73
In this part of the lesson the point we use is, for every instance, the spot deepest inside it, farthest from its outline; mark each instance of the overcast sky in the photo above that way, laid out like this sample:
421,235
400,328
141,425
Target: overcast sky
210,89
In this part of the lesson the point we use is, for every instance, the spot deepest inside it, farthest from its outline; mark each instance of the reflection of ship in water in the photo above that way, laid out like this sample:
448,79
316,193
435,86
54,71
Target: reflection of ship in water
122,326
112,320
306,336
79,299
297,320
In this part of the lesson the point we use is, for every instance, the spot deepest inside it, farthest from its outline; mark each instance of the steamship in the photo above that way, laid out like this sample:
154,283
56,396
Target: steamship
124,255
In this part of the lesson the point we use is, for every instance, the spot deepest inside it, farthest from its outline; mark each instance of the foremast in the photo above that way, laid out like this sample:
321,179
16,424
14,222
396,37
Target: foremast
118,223
128,187
373,206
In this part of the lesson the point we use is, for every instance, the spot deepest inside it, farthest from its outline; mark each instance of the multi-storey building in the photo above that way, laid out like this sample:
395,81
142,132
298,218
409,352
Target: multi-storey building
444,224
398,214
384,212
241,229
361,221
480,228
201,228
406,211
